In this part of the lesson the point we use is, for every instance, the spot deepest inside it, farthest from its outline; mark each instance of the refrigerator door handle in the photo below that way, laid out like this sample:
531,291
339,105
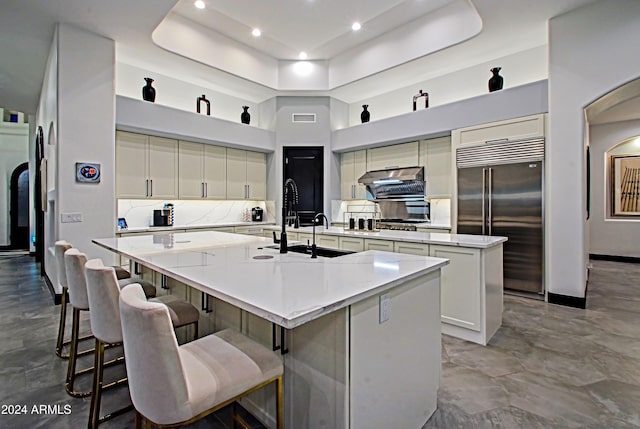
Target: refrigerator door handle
484,198
490,202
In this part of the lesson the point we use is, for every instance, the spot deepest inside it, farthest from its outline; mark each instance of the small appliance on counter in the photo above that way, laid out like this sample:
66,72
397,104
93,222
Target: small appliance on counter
256,214
162,217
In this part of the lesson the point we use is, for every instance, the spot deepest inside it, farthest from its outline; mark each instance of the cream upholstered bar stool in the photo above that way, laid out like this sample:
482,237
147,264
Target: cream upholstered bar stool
60,247
172,385
104,291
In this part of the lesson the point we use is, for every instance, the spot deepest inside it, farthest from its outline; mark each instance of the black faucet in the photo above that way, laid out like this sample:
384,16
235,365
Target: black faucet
288,184
314,249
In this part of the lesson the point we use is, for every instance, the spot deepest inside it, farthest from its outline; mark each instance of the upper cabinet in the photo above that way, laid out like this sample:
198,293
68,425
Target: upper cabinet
394,156
146,166
435,156
352,166
202,171
246,175
523,128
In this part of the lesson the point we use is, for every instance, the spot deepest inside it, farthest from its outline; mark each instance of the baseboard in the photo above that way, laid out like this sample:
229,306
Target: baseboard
614,258
566,300
57,297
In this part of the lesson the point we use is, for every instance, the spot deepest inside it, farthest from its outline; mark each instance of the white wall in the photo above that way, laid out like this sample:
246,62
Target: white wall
591,51
517,69
609,235
181,95
14,149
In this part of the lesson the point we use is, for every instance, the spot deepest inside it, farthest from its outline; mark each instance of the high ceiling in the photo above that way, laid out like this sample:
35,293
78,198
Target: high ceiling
320,27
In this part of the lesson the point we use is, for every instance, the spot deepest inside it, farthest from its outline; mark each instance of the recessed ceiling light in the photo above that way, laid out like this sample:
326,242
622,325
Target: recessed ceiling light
302,55
256,32
356,26
199,4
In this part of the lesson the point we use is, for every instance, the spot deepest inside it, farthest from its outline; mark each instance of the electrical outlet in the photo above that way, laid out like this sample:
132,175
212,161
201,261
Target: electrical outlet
385,307
70,217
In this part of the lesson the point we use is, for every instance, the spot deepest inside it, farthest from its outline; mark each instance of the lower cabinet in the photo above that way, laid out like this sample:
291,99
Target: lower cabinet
373,244
303,237
354,244
330,241
411,248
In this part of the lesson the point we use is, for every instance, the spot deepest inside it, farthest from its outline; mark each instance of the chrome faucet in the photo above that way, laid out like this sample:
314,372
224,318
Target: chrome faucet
288,184
314,249
418,95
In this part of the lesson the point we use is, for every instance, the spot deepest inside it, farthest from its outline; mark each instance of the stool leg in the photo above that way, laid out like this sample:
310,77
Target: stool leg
138,420
73,356
279,403
195,330
98,371
63,317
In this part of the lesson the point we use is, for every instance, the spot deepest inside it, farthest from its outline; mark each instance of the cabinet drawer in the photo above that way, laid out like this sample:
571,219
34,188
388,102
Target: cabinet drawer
330,241
372,244
411,248
248,230
351,243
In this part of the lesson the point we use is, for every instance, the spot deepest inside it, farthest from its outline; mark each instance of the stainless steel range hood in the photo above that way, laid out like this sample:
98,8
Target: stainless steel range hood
395,183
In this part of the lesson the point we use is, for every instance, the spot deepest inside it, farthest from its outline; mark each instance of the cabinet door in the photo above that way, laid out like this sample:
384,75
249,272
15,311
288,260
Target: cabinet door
190,165
460,286
511,129
394,156
352,243
330,241
131,165
236,174
215,172
371,244
256,176
304,238
435,156
411,248
163,167
347,175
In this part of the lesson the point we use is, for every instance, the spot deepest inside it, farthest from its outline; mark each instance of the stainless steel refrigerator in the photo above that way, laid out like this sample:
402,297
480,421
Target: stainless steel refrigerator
504,198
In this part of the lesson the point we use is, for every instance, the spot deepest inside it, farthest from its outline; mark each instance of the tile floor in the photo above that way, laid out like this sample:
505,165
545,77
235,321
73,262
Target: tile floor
548,366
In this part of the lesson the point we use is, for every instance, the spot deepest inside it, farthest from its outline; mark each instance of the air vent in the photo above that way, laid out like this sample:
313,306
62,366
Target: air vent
500,153
307,118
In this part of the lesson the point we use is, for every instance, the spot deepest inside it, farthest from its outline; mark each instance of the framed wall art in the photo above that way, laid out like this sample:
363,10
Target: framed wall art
625,185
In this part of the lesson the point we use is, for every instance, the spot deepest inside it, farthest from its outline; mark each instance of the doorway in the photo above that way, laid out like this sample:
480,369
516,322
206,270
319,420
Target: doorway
19,207
305,165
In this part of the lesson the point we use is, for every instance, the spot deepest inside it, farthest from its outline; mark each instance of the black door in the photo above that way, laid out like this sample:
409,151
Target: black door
19,209
305,166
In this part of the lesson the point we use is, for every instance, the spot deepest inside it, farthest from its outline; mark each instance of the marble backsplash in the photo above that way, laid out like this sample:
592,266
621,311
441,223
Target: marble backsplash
440,210
139,213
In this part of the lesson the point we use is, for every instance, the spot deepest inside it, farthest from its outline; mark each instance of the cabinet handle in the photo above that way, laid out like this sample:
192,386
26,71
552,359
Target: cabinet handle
206,189
274,344
246,191
151,187
146,187
283,342
353,191
163,282
204,304
202,189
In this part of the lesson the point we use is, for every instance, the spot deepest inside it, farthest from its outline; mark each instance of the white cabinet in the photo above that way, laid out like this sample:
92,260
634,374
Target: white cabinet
303,237
146,166
246,175
352,166
373,244
394,156
411,248
512,129
435,156
249,230
352,243
202,171
329,241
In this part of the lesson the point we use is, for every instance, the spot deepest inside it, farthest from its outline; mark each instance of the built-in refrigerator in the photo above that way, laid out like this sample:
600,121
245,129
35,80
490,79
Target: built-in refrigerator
500,193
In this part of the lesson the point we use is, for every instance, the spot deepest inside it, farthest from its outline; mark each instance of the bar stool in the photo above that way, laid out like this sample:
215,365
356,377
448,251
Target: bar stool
103,292
172,385
60,247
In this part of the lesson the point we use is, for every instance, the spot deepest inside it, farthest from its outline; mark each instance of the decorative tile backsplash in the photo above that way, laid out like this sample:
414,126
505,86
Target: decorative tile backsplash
139,213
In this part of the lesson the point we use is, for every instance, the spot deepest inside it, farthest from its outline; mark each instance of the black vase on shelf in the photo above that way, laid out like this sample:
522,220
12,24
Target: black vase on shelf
148,91
365,115
496,81
245,117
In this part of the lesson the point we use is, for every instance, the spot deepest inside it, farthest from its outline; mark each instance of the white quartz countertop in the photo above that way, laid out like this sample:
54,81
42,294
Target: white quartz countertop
461,240
189,227
288,289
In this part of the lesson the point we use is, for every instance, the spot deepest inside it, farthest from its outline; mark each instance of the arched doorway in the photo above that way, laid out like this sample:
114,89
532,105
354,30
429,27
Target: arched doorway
19,207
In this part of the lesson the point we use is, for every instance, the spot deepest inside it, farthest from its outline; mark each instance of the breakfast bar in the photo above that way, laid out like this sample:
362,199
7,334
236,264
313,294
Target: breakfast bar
359,333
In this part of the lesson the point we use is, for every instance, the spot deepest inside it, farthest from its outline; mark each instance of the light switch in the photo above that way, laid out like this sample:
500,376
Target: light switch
70,217
385,307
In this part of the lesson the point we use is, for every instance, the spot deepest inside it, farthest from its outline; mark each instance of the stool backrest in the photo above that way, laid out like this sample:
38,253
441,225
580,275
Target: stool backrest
157,382
74,262
103,292
59,248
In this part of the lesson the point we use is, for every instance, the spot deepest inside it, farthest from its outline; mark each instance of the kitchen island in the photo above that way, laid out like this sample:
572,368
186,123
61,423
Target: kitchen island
360,333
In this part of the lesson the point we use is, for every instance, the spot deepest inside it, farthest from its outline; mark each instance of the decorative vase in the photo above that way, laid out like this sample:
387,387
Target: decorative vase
207,102
245,117
148,92
496,81
365,115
